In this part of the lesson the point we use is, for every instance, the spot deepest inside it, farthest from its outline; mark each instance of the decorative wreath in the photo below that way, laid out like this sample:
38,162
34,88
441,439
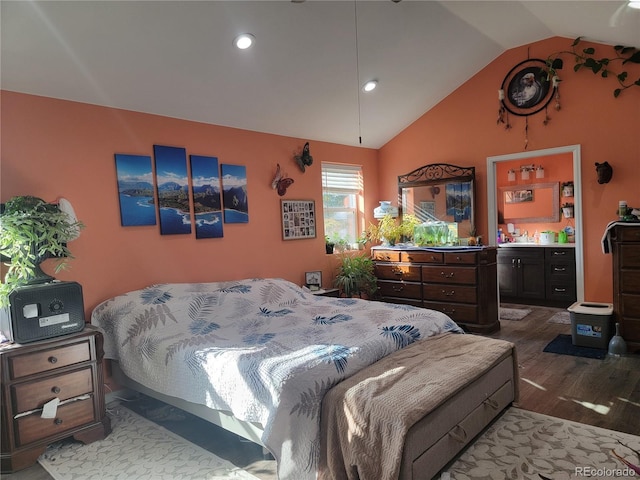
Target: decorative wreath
526,89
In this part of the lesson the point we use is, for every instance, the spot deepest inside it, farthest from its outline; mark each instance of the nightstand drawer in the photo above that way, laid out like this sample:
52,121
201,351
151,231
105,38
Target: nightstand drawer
45,360
32,427
28,396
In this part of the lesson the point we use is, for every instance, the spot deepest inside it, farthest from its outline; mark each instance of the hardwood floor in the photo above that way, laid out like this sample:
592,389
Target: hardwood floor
605,393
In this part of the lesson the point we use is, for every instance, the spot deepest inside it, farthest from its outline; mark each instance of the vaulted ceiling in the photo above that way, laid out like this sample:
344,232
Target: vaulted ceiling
302,77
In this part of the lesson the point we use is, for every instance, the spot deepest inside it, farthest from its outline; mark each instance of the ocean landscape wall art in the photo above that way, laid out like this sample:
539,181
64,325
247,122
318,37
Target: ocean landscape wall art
173,189
234,193
205,190
135,190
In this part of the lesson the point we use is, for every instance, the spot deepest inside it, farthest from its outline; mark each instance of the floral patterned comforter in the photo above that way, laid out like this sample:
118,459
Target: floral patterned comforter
265,350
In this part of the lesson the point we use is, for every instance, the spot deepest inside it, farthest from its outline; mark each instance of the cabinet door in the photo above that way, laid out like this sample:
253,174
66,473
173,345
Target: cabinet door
507,276
530,277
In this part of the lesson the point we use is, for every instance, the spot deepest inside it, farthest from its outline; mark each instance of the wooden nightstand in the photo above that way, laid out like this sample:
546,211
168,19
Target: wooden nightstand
32,374
327,292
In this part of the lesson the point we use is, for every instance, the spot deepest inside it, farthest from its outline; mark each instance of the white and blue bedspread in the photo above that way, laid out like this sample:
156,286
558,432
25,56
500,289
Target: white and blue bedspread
264,349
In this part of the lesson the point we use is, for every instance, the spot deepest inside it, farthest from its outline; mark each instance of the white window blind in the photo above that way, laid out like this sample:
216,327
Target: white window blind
342,188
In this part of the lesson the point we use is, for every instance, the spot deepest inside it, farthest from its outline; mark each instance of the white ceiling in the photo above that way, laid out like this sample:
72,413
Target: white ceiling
302,78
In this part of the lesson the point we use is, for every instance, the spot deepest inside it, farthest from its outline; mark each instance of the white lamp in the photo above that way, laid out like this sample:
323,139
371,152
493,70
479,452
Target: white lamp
385,208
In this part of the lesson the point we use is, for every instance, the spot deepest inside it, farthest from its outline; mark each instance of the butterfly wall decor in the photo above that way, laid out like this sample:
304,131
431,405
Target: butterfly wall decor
281,182
305,159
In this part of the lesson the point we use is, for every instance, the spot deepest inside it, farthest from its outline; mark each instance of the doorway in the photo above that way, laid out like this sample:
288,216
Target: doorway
492,200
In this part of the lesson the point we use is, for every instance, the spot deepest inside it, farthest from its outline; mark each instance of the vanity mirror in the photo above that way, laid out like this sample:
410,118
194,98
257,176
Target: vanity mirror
529,203
440,191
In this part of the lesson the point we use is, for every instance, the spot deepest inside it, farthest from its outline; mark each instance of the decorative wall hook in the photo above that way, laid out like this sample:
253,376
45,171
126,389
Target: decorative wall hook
604,172
304,159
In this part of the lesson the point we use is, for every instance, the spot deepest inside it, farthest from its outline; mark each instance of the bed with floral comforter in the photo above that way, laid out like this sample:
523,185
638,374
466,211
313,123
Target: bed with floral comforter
265,350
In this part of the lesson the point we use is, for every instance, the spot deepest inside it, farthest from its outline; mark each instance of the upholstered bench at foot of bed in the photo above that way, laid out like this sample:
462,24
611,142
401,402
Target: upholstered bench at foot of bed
436,439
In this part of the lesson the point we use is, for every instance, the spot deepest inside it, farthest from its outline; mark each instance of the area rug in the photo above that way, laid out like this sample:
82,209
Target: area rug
136,449
560,317
513,313
528,445
563,345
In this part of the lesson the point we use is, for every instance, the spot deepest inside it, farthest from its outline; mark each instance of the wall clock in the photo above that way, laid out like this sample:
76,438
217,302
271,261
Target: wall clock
526,90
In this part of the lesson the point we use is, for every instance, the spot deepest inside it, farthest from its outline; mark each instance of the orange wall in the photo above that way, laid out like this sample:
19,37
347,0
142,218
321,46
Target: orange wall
462,130
53,148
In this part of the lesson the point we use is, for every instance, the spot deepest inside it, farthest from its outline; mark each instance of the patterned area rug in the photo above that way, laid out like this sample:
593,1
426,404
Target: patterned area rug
560,317
528,445
136,449
513,313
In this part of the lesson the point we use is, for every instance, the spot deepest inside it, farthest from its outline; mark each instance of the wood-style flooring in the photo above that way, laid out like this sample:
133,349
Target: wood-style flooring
605,393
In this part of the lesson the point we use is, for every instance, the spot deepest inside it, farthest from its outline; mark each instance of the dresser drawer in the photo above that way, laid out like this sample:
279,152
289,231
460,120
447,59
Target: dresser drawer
630,305
32,427
398,271
628,234
559,255
457,312
45,360
446,274
399,289
386,255
561,291
422,257
461,258
450,293
28,396
629,256
630,281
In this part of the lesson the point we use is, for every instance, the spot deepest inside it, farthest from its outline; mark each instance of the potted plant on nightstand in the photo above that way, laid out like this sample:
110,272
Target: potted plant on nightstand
356,276
32,230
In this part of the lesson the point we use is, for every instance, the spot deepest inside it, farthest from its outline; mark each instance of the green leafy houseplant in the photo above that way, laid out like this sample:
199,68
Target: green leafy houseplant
388,230
32,230
356,276
586,59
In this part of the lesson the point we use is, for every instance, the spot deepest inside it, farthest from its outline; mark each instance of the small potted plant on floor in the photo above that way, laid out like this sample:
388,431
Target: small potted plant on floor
356,277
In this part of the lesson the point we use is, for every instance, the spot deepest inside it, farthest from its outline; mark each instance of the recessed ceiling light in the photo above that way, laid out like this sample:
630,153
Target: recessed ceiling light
370,85
244,41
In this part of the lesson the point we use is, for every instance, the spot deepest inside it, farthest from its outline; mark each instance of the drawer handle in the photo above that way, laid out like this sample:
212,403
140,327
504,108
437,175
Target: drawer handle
53,360
449,312
557,289
433,257
458,436
55,389
58,421
409,257
559,269
449,294
559,252
447,275
458,258
398,289
492,403
397,272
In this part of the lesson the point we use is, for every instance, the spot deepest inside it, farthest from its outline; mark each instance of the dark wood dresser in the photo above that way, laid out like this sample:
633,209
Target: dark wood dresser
68,368
462,284
625,244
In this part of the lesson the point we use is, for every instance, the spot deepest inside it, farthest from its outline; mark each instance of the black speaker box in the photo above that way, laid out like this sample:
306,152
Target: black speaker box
43,311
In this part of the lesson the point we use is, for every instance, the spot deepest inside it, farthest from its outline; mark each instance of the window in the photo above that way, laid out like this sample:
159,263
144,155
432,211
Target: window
341,197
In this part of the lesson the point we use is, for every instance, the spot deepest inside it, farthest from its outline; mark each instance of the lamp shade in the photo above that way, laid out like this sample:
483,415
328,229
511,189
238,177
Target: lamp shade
385,208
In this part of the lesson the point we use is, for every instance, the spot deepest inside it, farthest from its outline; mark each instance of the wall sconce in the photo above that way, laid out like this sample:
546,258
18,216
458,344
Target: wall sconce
511,175
539,171
524,173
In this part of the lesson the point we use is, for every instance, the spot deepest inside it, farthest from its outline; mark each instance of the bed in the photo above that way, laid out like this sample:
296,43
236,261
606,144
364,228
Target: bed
259,357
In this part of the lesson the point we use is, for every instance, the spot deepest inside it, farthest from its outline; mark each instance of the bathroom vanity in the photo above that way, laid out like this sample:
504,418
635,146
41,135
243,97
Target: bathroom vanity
537,274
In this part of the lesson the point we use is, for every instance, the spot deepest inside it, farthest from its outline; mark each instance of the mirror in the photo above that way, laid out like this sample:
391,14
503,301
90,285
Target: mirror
529,203
440,191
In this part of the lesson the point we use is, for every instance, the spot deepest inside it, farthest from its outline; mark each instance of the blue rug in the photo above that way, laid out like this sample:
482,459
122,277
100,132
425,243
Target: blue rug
563,345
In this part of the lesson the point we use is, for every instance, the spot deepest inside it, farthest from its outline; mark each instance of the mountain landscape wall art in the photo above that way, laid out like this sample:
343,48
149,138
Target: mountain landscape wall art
173,189
205,190
135,190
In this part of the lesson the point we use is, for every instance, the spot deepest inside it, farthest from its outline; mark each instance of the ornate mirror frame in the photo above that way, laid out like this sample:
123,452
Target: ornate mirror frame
451,183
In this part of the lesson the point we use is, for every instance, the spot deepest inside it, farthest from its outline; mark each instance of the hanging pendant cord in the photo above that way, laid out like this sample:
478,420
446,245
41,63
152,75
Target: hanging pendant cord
355,16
